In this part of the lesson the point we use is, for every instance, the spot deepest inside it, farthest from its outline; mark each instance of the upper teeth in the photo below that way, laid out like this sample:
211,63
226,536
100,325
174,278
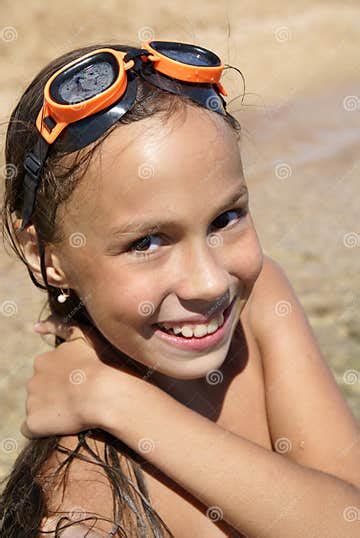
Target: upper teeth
196,330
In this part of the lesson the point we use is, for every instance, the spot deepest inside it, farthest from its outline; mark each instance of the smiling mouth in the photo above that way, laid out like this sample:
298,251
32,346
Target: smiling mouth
169,331
198,344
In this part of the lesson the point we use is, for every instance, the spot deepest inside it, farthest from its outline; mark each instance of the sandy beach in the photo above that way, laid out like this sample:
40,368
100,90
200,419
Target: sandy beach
300,149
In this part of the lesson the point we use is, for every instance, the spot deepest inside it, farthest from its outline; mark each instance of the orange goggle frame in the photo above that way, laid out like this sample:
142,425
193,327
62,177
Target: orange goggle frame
53,117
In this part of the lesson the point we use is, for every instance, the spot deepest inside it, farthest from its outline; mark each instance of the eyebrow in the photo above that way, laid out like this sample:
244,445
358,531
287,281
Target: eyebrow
154,225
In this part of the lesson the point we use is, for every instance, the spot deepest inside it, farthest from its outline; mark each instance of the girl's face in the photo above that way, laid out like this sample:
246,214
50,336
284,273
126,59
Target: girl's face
160,229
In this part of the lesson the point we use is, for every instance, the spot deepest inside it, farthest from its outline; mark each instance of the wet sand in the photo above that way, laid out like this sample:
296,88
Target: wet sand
300,121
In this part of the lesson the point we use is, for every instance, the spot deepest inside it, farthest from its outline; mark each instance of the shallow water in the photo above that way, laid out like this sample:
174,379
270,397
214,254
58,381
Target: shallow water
312,130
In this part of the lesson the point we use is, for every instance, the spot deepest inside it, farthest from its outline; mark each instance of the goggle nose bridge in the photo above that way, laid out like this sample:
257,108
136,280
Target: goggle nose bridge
136,57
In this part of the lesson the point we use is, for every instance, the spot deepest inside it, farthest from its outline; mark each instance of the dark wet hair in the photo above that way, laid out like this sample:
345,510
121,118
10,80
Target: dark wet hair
23,500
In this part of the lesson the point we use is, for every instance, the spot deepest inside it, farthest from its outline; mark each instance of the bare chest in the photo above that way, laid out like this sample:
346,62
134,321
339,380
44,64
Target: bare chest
241,409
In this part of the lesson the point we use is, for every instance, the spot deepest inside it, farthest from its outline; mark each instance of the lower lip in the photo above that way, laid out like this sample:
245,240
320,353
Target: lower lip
204,342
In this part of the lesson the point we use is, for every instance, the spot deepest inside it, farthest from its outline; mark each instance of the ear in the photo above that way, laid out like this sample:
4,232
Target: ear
55,275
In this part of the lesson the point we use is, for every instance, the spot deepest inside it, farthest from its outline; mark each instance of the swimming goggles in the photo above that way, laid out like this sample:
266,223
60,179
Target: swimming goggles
89,94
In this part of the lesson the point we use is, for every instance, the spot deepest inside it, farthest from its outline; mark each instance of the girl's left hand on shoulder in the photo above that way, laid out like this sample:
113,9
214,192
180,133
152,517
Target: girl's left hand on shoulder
72,385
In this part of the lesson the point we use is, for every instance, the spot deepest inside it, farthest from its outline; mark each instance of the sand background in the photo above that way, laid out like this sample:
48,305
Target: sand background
300,147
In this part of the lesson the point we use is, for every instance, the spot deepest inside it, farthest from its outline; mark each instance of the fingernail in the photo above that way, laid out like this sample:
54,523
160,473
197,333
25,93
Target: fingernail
37,326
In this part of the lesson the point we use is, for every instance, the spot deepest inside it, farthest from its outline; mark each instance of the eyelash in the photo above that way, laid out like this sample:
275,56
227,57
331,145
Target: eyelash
241,212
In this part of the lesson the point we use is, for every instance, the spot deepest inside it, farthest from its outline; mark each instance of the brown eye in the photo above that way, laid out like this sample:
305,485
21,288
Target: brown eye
221,221
141,247
143,243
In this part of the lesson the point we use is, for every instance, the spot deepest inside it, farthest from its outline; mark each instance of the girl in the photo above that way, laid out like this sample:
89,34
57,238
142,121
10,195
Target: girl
186,394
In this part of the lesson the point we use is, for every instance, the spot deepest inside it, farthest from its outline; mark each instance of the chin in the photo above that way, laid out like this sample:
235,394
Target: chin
187,376
188,369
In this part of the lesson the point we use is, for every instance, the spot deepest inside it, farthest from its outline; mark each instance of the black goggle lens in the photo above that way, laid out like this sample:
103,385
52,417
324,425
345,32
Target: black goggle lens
85,79
186,54
95,74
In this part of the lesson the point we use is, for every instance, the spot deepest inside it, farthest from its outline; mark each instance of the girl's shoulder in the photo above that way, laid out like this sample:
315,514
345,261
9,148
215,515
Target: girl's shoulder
309,419
81,490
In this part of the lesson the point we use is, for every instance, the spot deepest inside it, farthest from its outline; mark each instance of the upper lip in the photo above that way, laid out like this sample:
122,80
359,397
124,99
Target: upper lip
196,319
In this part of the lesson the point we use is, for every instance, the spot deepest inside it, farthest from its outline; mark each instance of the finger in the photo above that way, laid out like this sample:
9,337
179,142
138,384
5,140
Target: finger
66,331
54,325
47,325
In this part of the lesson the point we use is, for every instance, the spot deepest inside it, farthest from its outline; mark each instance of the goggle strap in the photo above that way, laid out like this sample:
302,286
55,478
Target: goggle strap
33,164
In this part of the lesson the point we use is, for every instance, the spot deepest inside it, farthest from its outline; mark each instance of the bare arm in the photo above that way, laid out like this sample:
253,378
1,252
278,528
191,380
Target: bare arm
257,491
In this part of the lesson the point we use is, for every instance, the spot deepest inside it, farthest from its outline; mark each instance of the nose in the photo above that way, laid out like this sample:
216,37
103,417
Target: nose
204,277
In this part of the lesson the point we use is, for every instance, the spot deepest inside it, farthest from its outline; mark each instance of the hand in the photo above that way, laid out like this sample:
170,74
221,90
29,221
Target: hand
72,386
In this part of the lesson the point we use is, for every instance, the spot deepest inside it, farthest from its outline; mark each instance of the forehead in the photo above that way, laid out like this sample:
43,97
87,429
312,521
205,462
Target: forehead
149,166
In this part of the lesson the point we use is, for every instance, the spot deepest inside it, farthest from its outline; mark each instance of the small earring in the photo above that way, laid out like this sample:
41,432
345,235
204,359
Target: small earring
62,296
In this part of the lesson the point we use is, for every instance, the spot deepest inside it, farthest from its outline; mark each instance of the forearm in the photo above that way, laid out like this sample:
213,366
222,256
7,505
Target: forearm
258,491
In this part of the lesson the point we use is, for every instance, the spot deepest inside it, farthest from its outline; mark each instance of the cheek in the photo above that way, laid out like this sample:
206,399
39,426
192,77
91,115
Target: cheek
122,297
121,308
